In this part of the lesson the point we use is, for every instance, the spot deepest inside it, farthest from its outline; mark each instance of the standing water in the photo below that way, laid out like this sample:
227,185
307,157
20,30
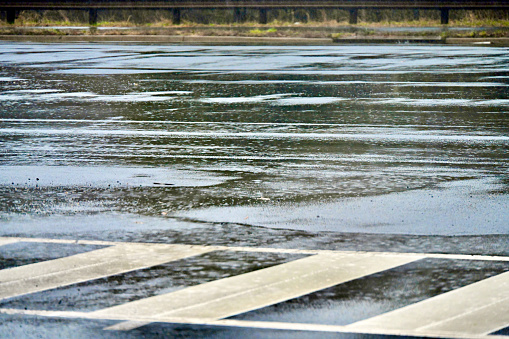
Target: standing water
359,148
385,147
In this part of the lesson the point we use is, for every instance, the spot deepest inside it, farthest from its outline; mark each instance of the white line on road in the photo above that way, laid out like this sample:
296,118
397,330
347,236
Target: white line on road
131,322
227,297
273,250
473,311
6,241
91,265
476,309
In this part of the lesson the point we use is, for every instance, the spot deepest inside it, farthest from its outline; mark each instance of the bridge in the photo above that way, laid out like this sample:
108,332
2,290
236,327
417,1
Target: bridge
12,7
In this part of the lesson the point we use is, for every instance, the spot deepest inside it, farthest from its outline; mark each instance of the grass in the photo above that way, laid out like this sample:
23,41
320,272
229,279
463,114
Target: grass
255,32
259,32
481,23
315,26
342,35
45,31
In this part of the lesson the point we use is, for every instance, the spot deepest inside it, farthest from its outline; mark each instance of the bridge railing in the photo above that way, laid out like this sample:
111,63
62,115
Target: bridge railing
12,7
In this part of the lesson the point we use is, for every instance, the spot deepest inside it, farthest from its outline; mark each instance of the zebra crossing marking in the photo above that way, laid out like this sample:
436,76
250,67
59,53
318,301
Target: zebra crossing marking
90,265
242,293
479,308
472,311
6,241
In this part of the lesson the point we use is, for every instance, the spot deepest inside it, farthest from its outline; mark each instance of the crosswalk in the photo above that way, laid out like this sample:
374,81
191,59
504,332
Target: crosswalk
476,309
88,266
473,311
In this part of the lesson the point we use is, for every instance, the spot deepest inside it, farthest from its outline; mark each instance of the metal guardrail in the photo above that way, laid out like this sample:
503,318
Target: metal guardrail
12,7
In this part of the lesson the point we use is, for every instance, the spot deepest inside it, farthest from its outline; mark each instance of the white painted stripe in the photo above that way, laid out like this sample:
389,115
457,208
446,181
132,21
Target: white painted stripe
6,241
476,309
325,328
275,250
226,297
484,320
472,311
69,241
90,265
131,322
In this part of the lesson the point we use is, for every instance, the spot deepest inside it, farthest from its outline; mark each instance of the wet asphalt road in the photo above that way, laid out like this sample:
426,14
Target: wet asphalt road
366,148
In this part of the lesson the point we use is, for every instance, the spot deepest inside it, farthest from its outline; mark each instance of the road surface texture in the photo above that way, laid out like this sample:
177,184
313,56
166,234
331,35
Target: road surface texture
152,190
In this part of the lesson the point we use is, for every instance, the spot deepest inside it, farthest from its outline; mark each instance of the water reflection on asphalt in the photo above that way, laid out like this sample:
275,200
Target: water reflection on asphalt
378,148
216,131
200,131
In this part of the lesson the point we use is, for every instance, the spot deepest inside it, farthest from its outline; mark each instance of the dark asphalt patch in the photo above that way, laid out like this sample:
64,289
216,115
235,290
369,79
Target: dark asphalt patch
504,331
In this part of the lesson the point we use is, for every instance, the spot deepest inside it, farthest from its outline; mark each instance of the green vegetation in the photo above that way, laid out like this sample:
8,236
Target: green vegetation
342,35
259,32
312,23
276,17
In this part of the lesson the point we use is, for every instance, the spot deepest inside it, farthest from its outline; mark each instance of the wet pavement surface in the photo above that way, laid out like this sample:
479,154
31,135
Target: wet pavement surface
157,280
378,293
373,148
76,328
